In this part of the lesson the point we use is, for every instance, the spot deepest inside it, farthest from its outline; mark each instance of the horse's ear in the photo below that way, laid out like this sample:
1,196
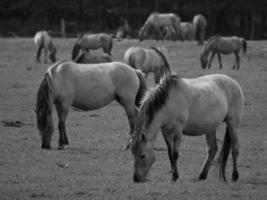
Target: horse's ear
143,137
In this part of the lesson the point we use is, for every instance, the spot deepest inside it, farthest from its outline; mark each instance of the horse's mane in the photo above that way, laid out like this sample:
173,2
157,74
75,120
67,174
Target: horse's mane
153,101
210,41
163,58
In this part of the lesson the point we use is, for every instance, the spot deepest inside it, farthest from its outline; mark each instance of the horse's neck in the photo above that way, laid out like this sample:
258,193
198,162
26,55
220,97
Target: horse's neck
154,127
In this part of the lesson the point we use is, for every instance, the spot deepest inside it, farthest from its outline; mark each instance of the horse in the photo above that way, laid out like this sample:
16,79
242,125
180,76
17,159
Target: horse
90,58
43,41
148,60
224,45
187,31
191,107
159,21
200,23
86,42
86,87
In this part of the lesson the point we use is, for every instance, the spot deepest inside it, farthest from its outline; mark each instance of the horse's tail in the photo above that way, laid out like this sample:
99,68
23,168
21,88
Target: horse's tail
142,87
75,50
167,69
244,45
128,58
76,47
44,110
222,159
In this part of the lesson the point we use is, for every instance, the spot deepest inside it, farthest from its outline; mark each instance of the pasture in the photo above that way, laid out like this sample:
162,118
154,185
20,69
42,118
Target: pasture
94,166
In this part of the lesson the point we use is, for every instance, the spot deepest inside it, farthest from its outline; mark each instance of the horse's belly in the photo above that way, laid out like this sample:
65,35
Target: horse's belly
93,97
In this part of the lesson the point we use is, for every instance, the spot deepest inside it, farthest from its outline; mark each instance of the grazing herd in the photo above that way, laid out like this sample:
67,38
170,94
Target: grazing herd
176,106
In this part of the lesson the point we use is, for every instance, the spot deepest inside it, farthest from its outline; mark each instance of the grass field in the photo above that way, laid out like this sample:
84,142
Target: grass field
94,166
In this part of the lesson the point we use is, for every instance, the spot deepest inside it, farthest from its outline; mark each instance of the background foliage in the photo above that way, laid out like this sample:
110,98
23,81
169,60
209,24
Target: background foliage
245,18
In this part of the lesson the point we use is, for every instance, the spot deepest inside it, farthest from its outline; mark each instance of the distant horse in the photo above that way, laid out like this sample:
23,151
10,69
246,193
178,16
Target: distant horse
224,45
159,21
87,42
191,107
93,58
200,23
148,60
43,41
87,87
187,31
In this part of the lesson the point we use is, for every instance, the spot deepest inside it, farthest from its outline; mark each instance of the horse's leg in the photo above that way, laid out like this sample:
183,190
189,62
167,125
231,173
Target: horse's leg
131,112
45,53
220,60
175,153
211,58
62,111
212,149
39,51
232,129
168,137
237,59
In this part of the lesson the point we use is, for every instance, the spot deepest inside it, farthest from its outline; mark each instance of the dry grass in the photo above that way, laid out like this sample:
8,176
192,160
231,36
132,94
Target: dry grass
94,166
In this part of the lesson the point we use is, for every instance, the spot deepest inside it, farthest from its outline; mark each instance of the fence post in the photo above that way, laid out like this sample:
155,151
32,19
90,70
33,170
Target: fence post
63,28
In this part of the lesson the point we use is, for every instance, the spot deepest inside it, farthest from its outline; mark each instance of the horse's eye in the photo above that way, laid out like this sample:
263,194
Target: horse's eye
142,156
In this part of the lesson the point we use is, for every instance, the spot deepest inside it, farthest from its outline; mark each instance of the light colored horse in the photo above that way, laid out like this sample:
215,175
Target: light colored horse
191,107
148,60
87,87
43,41
200,23
187,31
224,45
159,21
87,42
93,58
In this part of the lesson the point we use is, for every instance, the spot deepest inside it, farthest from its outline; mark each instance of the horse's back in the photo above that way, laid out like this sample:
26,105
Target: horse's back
207,101
91,86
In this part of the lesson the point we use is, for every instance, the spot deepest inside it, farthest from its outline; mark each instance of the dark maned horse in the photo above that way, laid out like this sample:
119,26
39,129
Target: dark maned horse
148,60
86,57
192,107
159,21
43,41
87,87
87,42
224,45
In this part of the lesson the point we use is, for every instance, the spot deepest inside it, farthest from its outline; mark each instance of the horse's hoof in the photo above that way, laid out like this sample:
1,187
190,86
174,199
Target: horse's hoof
45,146
61,147
235,176
126,147
202,177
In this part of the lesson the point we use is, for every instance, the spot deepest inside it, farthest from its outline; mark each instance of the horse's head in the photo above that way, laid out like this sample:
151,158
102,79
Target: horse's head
144,157
52,55
203,60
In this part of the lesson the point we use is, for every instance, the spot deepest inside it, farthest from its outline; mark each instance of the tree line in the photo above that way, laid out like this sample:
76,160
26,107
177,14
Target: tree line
246,18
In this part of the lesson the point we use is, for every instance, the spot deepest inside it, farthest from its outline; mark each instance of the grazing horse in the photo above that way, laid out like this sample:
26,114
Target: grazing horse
159,21
148,60
187,31
86,42
200,23
224,45
43,41
86,87
191,107
86,57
